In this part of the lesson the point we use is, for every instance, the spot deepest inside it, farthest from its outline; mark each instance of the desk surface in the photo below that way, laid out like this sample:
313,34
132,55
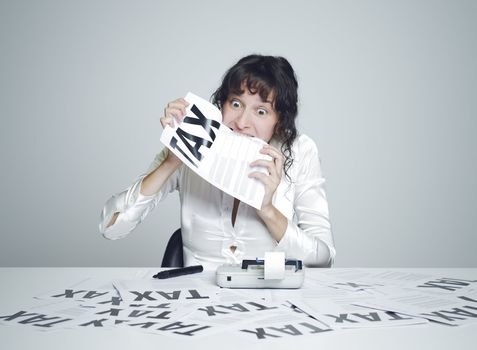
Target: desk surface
19,285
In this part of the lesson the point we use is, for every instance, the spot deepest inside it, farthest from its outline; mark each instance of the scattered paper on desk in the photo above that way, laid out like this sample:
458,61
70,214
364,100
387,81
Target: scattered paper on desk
89,289
337,314
450,310
216,153
174,290
427,283
188,307
277,327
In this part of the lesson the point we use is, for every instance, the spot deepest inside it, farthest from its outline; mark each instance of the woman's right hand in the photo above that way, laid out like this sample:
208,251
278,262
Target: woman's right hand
174,112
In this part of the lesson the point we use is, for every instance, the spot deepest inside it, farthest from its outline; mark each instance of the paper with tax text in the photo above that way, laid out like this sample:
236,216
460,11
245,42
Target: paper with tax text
215,152
189,307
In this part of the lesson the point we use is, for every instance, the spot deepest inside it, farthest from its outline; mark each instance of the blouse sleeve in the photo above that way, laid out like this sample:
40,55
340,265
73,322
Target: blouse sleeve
132,206
309,238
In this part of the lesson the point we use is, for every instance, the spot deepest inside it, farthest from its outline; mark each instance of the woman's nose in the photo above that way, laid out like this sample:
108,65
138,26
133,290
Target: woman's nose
242,120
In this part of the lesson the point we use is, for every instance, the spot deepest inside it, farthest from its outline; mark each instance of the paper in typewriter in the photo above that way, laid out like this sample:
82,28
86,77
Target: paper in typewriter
215,152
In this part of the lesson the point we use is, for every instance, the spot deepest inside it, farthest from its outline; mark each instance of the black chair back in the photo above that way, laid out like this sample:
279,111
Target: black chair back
173,255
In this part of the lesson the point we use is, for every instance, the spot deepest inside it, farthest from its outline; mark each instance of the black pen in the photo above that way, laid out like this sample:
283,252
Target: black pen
179,272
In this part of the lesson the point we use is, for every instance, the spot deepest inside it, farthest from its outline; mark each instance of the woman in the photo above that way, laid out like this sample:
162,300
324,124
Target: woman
258,97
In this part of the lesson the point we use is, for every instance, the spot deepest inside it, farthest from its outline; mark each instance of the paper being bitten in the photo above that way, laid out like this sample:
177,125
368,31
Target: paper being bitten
216,153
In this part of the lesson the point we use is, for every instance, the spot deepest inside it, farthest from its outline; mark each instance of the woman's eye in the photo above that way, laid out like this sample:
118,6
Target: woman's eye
262,111
235,104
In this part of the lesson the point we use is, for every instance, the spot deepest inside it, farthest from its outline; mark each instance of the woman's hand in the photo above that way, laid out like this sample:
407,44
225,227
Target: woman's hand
275,221
274,176
174,112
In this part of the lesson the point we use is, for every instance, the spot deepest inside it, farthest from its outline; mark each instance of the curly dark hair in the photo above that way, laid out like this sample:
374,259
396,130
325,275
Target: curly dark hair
265,75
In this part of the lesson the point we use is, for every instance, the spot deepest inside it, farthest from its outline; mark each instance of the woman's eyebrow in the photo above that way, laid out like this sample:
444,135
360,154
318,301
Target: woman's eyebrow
269,102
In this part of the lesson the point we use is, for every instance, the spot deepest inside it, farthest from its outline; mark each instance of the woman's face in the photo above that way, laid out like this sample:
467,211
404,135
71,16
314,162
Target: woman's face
248,114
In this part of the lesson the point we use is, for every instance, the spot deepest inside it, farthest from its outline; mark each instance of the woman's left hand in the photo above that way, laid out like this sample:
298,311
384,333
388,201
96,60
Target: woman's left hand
274,176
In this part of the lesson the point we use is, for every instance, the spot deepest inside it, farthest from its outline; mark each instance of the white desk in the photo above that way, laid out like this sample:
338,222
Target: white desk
19,285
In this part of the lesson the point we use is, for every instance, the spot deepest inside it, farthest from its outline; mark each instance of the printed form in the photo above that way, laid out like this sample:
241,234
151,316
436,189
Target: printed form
216,153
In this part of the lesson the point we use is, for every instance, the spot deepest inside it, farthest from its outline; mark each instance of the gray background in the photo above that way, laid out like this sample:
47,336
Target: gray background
387,88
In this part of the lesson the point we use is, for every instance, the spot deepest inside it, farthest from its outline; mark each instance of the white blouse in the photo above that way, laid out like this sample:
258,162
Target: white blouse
206,212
